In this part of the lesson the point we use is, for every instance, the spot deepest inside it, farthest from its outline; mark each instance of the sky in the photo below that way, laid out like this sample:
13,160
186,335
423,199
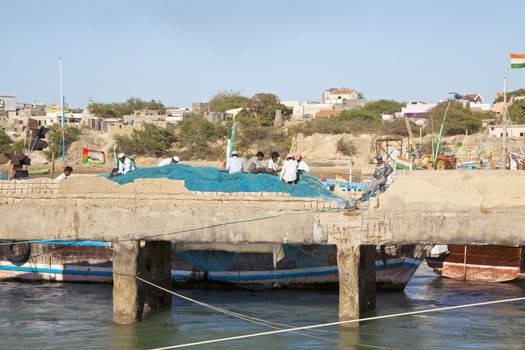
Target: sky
185,51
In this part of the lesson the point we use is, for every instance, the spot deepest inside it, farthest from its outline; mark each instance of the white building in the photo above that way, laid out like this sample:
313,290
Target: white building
476,102
417,111
8,103
175,115
339,96
516,131
308,110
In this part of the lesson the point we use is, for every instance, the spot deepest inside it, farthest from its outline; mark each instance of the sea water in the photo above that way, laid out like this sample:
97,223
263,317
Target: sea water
79,316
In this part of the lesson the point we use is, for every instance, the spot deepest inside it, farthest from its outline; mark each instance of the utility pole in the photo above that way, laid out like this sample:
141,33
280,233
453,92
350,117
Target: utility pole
63,116
504,149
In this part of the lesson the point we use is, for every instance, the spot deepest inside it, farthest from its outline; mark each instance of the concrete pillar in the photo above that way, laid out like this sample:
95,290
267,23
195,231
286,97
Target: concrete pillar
356,281
151,260
125,288
367,278
155,266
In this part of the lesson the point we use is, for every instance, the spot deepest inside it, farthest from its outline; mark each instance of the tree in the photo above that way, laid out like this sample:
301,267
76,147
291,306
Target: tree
118,110
54,139
264,106
195,134
151,140
5,144
459,118
372,111
517,111
226,100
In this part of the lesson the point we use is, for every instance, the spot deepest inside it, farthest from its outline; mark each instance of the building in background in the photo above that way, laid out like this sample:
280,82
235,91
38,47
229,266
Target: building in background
175,114
417,112
199,107
513,131
8,104
341,96
476,102
328,113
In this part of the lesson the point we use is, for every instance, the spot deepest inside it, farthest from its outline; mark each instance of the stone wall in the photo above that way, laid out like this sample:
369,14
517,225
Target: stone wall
33,186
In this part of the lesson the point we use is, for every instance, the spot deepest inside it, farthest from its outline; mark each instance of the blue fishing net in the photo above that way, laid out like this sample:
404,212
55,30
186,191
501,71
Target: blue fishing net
207,179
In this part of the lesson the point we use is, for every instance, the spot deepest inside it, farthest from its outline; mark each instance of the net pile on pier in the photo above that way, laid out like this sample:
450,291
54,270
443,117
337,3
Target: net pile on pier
207,179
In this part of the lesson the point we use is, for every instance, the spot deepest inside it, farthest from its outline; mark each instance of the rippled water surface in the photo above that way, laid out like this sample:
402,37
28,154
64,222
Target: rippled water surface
78,316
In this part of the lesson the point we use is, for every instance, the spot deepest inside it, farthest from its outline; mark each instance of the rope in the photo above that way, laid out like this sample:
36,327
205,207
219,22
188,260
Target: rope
212,341
255,320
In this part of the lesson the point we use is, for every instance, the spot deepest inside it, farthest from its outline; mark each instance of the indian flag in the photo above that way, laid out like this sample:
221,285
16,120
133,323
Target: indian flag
517,60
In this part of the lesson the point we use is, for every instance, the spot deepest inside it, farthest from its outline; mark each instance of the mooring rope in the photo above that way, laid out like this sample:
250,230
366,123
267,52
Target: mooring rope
280,331
252,319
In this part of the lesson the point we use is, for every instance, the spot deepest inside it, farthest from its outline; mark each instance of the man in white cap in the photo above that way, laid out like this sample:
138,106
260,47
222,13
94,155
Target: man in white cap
234,164
168,161
289,170
125,164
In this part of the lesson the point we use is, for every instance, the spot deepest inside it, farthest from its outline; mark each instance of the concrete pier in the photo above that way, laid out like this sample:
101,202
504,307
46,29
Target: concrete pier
155,266
357,285
126,308
133,298
425,207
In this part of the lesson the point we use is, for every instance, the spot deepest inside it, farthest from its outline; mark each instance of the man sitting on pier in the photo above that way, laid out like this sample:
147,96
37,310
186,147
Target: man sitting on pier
381,173
289,171
234,164
67,172
255,164
273,164
125,164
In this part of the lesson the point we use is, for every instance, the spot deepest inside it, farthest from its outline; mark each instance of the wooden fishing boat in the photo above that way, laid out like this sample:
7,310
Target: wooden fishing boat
198,265
480,263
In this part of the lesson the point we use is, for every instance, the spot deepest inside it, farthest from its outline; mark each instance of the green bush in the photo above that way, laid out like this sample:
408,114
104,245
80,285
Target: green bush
195,135
459,118
6,144
119,109
150,141
517,111
226,100
372,111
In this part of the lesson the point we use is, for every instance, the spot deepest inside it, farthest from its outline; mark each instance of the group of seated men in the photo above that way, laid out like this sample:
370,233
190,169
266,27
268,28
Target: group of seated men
288,171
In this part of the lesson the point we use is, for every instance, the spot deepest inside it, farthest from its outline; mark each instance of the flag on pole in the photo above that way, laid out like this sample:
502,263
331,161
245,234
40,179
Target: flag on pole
517,60
90,156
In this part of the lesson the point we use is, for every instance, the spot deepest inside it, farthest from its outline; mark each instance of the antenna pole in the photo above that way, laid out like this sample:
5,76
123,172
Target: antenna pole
63,116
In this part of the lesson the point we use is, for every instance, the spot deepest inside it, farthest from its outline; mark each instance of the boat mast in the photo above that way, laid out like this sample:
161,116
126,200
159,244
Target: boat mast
63,141
504,148
504,136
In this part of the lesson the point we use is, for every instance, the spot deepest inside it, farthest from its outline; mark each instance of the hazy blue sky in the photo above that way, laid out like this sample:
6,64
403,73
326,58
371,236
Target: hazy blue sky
184,51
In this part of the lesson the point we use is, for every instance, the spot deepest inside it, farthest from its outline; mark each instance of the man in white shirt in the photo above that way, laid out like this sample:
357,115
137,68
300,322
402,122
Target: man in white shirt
234,164
289,170
301,164
67,172
255,164
273,164
125,164
168,161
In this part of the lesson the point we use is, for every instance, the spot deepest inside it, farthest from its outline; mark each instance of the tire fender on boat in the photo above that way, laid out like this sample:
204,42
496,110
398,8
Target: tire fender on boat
17,253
